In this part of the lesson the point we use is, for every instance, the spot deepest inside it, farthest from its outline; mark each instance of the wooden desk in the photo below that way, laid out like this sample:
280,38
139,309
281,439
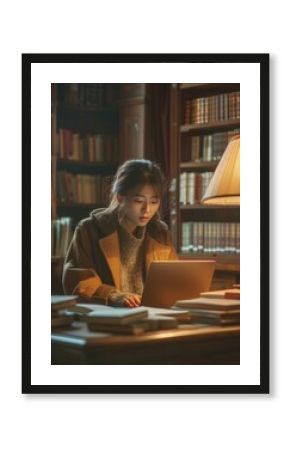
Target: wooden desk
188,344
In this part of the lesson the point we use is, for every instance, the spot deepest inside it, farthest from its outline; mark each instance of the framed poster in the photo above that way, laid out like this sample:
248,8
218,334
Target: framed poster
212,359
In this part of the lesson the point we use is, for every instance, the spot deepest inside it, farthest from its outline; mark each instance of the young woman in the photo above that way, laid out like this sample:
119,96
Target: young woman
111,250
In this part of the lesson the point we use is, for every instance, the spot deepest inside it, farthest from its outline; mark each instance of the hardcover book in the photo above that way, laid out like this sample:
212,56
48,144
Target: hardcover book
209,304
224,293
121,316
129,328
63,301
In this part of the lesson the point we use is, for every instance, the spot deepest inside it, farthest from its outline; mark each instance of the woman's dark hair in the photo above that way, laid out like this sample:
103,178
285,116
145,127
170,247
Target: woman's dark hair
133,173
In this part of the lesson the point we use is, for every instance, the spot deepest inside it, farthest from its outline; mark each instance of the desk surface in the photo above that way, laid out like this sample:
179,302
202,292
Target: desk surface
187,344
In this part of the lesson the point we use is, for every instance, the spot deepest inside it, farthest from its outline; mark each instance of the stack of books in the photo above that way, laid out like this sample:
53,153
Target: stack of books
117,320
59,305
107,319
133,321
214,311
165,318
159,322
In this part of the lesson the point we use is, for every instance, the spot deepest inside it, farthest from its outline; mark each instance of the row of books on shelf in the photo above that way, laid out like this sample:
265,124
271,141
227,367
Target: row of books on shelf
212,108
89,148
209,147
216,308
61,235
193,186
210,237
85,94
88,189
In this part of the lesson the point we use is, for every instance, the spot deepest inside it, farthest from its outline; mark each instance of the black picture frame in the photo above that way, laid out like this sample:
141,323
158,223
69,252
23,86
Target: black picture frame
263,61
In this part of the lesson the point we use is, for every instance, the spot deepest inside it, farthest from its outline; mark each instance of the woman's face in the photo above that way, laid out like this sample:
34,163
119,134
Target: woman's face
139,206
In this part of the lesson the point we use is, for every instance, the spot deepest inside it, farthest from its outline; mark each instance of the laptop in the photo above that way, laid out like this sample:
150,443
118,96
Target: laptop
169,281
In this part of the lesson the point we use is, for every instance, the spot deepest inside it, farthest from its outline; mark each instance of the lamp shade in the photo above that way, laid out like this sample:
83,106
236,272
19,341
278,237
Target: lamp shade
224,186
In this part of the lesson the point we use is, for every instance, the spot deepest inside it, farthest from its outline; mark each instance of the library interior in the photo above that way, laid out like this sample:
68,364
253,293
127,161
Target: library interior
163,287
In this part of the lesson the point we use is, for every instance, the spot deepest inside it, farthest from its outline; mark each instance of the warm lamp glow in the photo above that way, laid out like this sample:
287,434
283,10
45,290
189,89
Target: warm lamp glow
224,186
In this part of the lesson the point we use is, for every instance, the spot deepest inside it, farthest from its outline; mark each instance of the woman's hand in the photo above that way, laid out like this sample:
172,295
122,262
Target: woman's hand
126,299
87,288
131,300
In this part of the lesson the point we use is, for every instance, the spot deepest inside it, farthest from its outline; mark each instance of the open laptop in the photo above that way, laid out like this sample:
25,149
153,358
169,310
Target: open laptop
169,281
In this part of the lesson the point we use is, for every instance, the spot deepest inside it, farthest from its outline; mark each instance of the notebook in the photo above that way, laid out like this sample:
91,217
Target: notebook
170,281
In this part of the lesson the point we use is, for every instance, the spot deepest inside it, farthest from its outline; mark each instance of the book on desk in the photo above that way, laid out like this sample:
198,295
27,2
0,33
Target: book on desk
60,303
212,310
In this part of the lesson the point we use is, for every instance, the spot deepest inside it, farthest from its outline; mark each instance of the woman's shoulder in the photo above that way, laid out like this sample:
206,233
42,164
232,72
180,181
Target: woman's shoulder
101,221
160,232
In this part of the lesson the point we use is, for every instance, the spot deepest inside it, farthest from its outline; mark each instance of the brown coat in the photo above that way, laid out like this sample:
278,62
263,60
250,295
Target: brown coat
92,264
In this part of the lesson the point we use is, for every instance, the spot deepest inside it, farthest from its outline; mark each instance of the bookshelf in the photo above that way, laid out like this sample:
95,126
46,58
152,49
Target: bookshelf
85,149
85,155
204,117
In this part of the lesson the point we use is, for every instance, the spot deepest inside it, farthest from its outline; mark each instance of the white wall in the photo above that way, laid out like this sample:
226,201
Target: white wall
204,421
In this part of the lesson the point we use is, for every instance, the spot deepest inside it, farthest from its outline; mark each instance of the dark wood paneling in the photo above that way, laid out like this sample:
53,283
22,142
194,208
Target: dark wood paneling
132,131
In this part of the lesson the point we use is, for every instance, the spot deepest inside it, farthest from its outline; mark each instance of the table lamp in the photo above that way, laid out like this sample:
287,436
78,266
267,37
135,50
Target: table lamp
224,186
